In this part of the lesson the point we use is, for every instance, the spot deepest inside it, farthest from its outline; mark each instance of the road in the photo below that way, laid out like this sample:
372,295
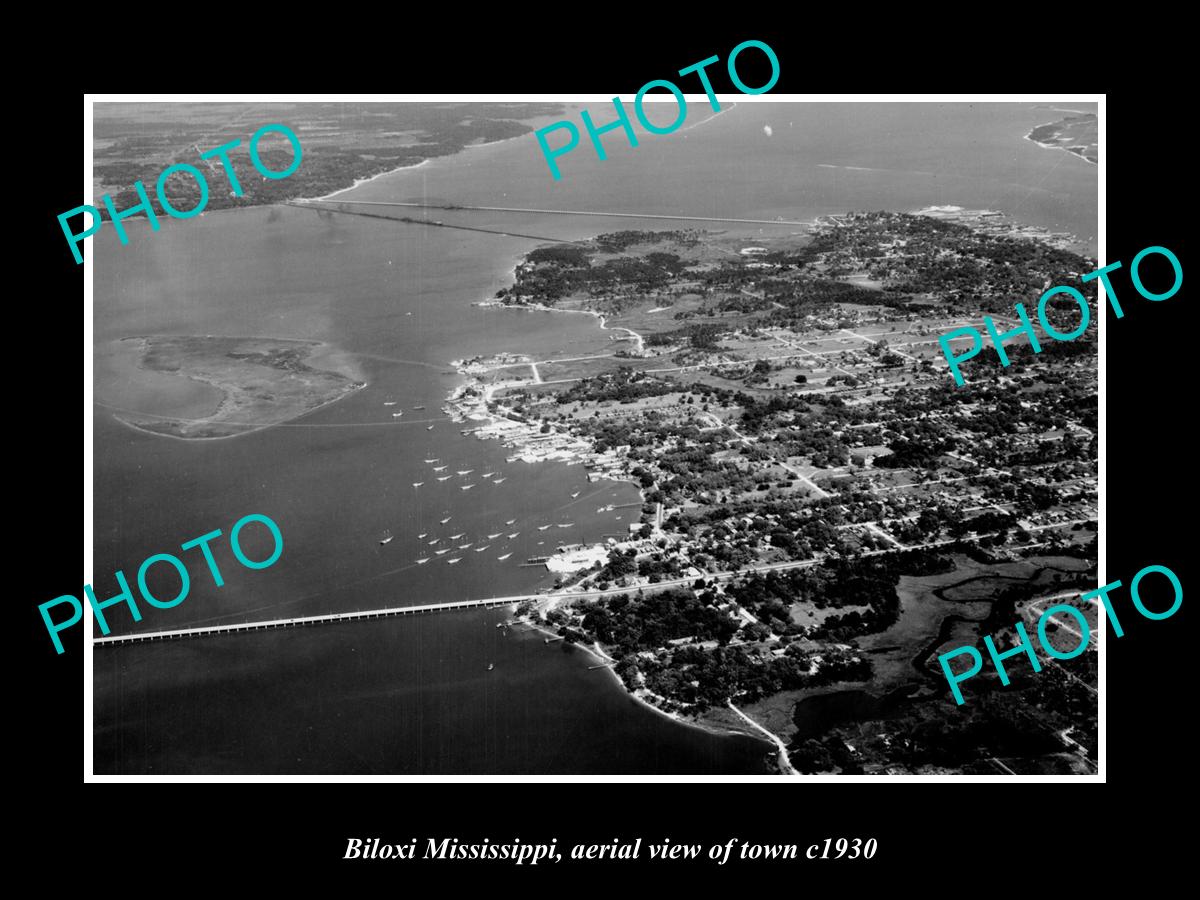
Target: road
785,764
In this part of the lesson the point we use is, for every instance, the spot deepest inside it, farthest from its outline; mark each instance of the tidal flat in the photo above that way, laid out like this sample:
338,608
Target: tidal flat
263,381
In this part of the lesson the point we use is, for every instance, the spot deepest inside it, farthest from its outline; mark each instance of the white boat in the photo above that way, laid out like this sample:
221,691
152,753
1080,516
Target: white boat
464,471
397,415
543,527
510,521
505,556
418,407
418,483
385,540
466,487
492,537
390,403
440,468
453,561
435,459
422,535
445,477
435,541
499,480
574,495
491,666
421,562
447,519
568,525
429,428
440,552
487,474
513,535
481,549
455,537
465,546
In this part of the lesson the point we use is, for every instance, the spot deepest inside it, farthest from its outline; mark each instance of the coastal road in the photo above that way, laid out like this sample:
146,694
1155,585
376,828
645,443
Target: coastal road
785,764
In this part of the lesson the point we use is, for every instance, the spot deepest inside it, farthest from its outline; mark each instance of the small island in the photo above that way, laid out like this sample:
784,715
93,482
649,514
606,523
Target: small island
265,381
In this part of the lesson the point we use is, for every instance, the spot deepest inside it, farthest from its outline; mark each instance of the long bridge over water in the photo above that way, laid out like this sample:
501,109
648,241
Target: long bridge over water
500,602
302,621
307,203
450,606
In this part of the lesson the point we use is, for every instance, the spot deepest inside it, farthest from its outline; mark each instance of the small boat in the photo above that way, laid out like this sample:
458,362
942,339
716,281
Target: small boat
466,487
487,474
453,561
447,519
433,460
455,537
543,527
513,535
499,480
421,562
464,471
397,415
440,552
440,468
574,495
510,521
491,666
390,403
418,407
445,477
386,538
481,549
418,483
567,525
540,543
505,556
492,537
435,541
423,535
465,546
429,428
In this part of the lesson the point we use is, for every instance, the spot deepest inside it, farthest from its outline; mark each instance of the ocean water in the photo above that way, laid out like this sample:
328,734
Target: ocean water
414,695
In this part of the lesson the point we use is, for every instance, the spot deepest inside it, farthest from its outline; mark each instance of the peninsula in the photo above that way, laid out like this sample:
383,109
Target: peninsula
822,512
1077,134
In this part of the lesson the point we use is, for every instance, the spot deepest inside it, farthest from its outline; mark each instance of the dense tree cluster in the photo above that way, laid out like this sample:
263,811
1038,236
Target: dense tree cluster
644,622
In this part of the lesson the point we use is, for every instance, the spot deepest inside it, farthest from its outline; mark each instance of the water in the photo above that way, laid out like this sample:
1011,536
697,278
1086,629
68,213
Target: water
414,695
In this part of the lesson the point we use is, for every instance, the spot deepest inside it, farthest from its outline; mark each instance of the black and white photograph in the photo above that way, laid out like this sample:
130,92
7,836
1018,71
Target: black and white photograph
732,435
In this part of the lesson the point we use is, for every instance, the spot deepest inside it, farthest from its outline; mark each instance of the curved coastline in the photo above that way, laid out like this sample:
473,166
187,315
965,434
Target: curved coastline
1045,146
597,653
753,729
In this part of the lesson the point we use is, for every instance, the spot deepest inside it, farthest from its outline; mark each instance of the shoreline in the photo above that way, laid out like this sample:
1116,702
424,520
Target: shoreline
358,182
1045,146
316,349
597,653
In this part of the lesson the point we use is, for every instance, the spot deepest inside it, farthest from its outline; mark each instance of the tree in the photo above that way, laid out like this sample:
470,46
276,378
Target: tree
811,757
